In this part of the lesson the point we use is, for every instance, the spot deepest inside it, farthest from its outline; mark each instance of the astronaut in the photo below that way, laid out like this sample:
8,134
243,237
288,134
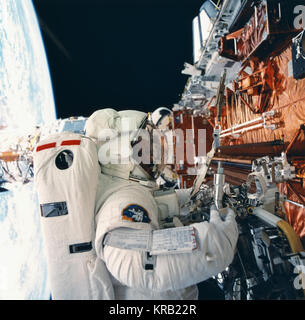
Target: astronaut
103,191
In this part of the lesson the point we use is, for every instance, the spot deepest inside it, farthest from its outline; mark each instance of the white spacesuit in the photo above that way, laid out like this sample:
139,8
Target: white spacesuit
91,203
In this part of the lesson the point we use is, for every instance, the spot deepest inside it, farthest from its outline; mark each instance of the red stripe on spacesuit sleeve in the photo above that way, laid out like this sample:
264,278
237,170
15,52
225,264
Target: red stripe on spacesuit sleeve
46,146
70,143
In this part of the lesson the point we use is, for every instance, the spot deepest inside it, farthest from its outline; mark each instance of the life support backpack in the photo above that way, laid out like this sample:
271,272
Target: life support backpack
66,171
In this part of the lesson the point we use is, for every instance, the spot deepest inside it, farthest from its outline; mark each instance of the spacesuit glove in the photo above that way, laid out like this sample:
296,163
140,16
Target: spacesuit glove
227,226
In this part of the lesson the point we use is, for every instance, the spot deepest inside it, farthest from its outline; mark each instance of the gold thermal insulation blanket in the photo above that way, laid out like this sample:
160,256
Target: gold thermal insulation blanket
286,96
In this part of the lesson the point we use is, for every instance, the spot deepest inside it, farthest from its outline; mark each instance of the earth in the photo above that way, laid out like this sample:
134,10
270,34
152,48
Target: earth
26,100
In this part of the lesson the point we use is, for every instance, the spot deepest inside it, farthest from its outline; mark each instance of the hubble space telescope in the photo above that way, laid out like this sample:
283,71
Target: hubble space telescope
246,89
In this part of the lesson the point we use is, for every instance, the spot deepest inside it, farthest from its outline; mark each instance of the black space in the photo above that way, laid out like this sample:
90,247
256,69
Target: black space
117,53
